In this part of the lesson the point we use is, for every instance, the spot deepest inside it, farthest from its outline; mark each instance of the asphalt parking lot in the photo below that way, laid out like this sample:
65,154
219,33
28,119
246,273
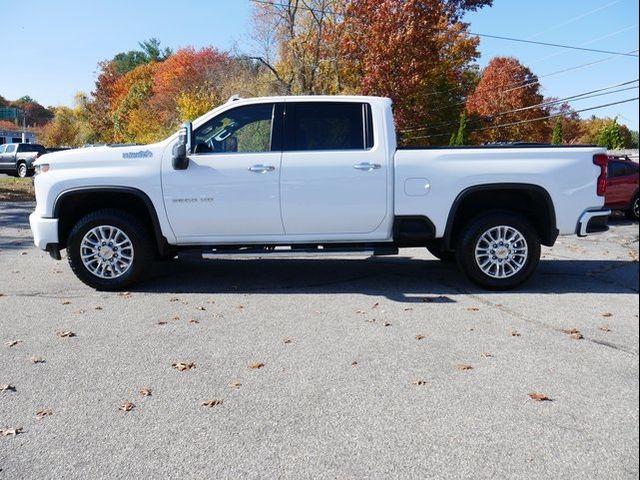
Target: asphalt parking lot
390,367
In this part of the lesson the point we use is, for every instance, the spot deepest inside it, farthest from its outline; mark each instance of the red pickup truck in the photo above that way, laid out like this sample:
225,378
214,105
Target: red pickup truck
622,186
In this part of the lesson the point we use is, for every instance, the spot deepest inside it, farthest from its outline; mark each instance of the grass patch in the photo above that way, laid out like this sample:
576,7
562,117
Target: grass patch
16,189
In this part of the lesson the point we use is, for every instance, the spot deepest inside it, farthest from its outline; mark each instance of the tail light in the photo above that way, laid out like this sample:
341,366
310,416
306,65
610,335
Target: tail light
601,160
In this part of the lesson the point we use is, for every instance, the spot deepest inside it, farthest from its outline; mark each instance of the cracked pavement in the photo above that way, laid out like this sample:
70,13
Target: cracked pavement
363,372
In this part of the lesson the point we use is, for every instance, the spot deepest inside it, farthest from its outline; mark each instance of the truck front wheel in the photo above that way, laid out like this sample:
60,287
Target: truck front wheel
109,249
499,250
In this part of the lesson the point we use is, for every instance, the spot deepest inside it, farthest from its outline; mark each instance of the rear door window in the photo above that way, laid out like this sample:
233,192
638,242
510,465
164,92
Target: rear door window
328,126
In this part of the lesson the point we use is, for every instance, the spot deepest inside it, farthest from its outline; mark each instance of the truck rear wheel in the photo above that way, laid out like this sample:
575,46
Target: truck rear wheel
109,249
499,250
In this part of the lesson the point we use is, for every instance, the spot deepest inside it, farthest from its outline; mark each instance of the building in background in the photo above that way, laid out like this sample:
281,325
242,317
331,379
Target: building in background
14,115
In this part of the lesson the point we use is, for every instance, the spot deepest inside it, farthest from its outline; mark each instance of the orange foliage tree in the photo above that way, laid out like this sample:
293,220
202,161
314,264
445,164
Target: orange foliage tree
508,93
417,52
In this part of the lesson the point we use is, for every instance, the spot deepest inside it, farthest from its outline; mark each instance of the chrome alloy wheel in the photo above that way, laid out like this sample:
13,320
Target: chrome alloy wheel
106,251
501,252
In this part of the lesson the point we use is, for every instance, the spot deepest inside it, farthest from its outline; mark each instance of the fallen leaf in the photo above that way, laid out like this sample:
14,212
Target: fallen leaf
12,343
486,355
604,328
97,307
240,307
419,381
574,333
539,397
202,309
182,366
126,407
235,385
174,299
420,337
408,309
212,403
176,317
162,322
23,253
36,359
256,365
473,309
7,388
65,333
607,315
354,363
65,302
361,312
386,324
11,431
464,366
515,333
287,340
44,412
376,305
193,321
145,392
371,320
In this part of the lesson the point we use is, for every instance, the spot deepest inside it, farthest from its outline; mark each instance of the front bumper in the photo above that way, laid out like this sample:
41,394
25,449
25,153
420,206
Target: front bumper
45,231
593,221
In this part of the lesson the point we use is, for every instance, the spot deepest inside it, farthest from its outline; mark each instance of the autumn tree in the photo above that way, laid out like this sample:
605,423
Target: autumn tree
34,113
609,136
593,127
298,41
572,128
69,127
420,54
508,99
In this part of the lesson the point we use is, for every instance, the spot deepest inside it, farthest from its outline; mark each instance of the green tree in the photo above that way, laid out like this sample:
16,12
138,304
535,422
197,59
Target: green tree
557,135
460,137
609,136
125,62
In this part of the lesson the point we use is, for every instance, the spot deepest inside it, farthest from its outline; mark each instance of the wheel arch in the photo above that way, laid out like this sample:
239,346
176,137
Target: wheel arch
73,204
476,199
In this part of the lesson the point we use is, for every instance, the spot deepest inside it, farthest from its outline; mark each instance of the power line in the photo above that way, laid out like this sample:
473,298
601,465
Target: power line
573,19
530,120
511,39
579,96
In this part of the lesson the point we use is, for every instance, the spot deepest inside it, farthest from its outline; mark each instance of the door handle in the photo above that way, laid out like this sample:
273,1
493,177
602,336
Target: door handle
261,168
366,166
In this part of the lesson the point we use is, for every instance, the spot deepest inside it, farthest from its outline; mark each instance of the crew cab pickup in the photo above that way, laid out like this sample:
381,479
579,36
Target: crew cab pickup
320,174
17,159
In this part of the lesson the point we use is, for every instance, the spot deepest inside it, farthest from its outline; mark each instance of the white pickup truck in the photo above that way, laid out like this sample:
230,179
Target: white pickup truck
319,174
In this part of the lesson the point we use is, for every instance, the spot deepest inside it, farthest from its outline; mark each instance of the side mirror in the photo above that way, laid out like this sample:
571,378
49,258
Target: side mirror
182,149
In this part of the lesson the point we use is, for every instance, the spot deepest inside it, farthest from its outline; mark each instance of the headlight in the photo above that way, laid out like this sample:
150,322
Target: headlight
41,168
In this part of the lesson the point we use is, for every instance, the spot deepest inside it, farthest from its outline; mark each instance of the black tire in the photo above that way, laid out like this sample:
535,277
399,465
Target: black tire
470,237
141,249
436,249
632,212
22,170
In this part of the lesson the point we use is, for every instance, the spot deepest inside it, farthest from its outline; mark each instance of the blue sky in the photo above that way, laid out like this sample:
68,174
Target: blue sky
56,45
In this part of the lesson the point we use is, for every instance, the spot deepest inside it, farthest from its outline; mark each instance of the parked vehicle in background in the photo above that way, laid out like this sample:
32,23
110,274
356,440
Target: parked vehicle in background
312,174
622,186
17,158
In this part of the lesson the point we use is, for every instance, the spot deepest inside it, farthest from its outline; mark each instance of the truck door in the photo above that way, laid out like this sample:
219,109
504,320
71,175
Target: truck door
231,186
334,176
